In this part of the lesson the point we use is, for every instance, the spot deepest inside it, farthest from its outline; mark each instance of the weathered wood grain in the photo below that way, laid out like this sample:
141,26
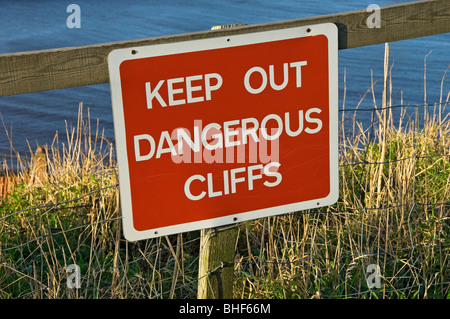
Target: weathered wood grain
35,71
216,263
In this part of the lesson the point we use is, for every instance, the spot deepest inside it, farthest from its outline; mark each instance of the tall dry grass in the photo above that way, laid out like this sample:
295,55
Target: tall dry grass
393,212
66,212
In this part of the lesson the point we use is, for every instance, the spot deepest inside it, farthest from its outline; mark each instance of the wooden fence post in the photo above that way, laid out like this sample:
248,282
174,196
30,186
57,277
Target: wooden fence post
217,248
216,263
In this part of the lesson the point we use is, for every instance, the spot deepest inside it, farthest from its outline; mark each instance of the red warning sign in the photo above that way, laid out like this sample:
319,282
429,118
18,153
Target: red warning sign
215,131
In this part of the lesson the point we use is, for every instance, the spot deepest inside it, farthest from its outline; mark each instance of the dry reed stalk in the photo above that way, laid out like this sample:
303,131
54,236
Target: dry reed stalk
383,126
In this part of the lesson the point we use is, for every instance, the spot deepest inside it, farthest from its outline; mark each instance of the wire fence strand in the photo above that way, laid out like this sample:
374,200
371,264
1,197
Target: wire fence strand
154,249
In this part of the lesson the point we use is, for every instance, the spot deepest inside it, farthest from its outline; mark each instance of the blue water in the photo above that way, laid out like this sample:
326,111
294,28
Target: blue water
35,25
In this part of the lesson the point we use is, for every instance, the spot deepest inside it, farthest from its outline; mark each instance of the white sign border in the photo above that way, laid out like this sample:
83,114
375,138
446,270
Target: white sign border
117,56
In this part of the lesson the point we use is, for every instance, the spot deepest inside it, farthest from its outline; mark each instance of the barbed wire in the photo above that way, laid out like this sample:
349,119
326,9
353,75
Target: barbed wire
262,262
230,264
382,290
218,229
394,107
52,206
225,228
57,204
59,233
394,161
330,210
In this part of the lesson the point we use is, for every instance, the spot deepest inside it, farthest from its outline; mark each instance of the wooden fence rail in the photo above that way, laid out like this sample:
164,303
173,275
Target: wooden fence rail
35,71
